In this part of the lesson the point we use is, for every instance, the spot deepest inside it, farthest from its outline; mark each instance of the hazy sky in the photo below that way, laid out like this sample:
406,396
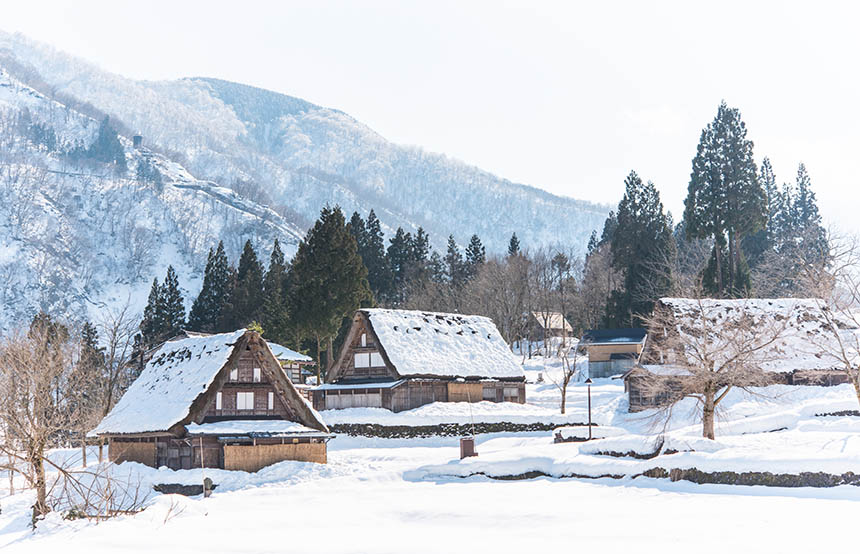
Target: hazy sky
568,97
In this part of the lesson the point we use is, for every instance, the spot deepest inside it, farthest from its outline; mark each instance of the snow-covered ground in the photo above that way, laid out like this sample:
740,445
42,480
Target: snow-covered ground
408,495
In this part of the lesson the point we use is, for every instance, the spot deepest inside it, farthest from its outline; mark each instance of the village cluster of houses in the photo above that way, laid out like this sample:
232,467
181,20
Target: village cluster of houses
237,402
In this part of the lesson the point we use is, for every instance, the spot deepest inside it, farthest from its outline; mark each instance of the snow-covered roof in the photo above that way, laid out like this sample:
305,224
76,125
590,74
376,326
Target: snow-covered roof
614,336
804,335
446,345
176,375
284,354
250,427
552,320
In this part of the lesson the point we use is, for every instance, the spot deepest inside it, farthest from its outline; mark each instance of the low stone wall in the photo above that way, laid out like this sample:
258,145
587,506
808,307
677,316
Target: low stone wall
749,478
842,413
253,458
438,430
142,452
765,478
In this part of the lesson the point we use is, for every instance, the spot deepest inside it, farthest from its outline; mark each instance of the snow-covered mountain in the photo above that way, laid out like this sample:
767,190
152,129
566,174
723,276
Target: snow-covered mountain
296,156
78,237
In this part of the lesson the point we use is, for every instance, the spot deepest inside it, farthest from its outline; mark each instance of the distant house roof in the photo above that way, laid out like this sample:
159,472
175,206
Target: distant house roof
178,373
614,336
432,344
552,320
805,338
284,354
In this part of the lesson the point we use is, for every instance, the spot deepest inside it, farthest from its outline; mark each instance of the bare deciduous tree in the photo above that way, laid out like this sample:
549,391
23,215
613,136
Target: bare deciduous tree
836,289
711,350
35,372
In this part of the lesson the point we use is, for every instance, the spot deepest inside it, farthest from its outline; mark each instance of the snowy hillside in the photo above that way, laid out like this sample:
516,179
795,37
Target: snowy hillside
299,156
79,237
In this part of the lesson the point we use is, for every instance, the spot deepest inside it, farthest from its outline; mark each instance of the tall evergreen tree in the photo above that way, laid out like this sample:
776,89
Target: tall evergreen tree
593,243
399,258
358,229
328,279
276,314
246,302
153,316
725,200
92,355
513,245
476,255
643,251
209,307
172,306
454,264
371,247
756,245
810,237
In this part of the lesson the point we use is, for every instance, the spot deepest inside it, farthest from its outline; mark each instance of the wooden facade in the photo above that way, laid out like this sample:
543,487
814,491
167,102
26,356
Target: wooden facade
365,377
251,387
612,351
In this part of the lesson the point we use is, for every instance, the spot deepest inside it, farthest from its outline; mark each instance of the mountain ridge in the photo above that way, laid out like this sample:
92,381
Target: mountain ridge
278,147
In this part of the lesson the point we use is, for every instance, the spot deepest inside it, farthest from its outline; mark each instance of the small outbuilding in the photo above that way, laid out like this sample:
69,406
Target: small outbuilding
612,351
218,401
296,365
546,325
402,359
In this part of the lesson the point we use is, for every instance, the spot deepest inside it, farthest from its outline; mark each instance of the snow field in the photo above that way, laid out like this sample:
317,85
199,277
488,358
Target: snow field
398,495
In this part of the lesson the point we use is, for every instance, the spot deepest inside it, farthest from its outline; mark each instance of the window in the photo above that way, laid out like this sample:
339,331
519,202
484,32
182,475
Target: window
234,374
489,393
362,359
271,401
376,360
364,339
244,400
218,401
256,374
512,394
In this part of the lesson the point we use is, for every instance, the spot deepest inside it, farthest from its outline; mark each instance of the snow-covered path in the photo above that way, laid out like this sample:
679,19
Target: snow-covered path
361,502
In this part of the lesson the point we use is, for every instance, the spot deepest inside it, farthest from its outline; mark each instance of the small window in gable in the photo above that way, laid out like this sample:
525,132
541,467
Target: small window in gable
244,400
234,374
376,360
362,359
271,401
364,339
218,401
257,375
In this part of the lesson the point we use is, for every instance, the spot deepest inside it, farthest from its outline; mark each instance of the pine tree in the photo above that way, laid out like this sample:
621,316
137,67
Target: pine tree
810,237
725,200
593,243
476,255
454,264
399,257
514,246
643,251
328,279
92,355
358,230
417,271
172,306
371,248
90,370
246,300
276,314
208,310
756,245
153,317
